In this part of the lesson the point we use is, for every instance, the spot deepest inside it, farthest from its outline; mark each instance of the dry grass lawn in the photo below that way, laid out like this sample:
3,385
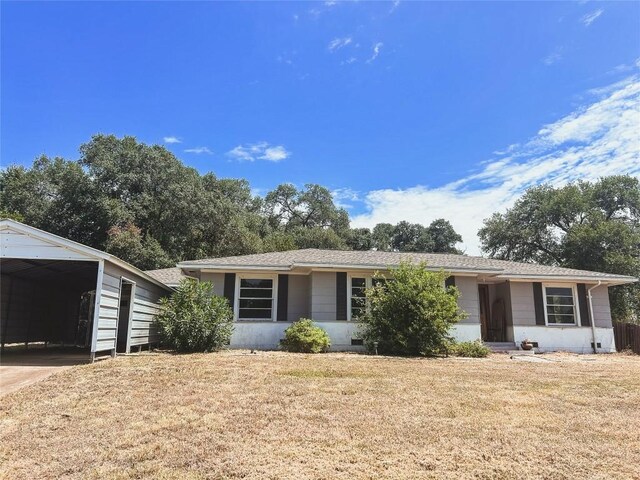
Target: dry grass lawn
277,415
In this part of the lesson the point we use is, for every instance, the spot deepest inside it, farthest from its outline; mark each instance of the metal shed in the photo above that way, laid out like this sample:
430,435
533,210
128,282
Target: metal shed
57,291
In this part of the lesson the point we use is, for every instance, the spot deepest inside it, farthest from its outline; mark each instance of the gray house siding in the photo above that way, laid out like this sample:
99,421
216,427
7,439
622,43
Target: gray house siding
298,297
217,279
522,305
601,307
323,296
468,300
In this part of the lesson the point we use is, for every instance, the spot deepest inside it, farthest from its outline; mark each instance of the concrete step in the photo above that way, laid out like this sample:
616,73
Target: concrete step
501,346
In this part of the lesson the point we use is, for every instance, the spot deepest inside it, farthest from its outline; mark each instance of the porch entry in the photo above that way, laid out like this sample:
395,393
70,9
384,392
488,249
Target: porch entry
493,324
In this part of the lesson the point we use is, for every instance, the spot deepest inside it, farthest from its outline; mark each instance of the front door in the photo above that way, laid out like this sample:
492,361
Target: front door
485,311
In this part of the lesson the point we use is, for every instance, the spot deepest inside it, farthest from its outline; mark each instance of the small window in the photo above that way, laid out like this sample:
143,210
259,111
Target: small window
560,306
255,301
358,298
357,342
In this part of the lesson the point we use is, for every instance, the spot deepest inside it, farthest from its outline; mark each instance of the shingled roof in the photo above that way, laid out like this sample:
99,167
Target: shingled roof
376,259
169,276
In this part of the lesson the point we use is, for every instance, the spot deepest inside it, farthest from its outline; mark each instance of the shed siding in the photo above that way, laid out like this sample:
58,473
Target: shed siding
145,306
298,298
468,300
323,296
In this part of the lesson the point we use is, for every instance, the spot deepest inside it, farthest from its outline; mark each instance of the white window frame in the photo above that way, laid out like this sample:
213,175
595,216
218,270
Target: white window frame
367,284
576,307
274,299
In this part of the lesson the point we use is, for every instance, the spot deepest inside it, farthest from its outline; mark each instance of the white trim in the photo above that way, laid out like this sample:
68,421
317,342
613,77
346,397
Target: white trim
96,308
132,300
609,280
350,277
274,298
576,307
231,268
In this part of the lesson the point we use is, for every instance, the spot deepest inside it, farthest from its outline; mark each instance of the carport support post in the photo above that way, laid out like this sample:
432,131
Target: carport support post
96,310
6,314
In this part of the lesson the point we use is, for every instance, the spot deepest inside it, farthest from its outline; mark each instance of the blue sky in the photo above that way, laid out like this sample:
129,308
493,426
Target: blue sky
405,110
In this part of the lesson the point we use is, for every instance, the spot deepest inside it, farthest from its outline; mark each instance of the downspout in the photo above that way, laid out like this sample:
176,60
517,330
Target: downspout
593,320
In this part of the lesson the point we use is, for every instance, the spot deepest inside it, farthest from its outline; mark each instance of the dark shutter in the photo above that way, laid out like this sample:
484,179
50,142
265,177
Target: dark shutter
585,318
283,297
450,281
229,287
341,295
538,302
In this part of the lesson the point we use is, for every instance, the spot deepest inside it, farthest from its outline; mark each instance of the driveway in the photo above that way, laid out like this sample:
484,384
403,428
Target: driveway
19,368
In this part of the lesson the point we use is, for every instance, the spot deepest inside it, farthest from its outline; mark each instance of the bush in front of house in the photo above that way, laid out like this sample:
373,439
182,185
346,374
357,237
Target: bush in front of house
305,337
193,319
412,314
474,349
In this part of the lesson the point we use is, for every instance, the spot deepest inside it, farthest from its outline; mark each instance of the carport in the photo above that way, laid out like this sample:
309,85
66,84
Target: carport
56,292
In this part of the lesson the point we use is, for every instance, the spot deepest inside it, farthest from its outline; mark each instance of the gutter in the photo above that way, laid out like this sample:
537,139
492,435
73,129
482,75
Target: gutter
593,318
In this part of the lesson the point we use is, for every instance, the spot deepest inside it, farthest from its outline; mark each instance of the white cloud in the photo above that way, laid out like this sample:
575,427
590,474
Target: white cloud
376,52
553,57
589,18
395,4
596,140
199,150
343,197
625,67
171,140
338,43
259,151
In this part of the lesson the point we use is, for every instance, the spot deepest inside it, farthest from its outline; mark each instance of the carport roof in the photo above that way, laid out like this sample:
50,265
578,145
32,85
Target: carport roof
88,252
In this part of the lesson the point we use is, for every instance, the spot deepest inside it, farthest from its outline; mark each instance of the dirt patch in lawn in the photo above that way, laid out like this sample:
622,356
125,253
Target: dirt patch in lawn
277,415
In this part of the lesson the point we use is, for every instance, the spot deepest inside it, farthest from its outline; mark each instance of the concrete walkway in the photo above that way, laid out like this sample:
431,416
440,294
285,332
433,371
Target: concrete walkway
20,368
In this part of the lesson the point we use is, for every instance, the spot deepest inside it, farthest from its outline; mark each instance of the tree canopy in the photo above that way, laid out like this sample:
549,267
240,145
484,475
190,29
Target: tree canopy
438,237
585,225
141,203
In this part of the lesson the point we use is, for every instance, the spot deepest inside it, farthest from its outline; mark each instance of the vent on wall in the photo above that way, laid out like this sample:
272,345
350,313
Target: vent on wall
357,342
599,345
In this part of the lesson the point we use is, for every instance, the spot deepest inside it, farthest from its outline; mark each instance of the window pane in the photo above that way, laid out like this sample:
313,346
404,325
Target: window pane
359,282
561,291
564,319
560,309
255,293
556,300
357,292
358,302
356,312
379,282
248,313
256,283
255,303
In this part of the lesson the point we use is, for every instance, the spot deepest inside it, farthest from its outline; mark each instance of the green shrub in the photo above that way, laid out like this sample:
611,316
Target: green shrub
305,337
193,319
475,349
411,314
